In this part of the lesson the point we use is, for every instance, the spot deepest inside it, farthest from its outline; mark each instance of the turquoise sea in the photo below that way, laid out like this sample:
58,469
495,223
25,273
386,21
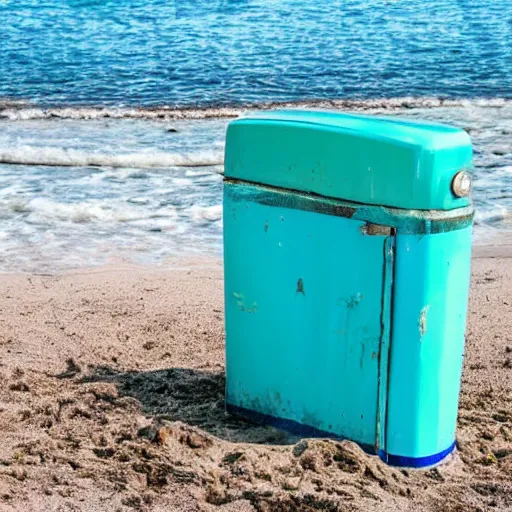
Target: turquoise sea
113,113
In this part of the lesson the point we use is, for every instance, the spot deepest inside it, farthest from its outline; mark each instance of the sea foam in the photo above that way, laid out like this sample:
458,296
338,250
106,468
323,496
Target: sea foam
22,111
63,157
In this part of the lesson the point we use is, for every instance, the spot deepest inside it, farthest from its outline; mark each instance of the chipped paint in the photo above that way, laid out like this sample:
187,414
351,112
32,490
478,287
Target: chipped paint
422,322
253,308
300,286
240,302
353,301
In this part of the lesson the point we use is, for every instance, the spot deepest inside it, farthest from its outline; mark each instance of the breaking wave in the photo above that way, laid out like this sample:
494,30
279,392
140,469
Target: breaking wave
19,111
60,157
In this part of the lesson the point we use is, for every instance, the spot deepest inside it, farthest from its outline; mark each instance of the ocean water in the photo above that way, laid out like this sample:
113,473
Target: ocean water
113,113
197,52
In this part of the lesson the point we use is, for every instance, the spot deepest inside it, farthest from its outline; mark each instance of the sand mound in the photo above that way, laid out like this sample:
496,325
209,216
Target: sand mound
112,398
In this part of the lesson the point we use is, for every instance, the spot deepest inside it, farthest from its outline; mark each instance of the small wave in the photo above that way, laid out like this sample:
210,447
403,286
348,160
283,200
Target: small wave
492,216
54,156
46,210
21,111
206,213
53,212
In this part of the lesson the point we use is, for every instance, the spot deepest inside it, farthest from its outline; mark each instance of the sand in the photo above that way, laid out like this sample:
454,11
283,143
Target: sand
111,398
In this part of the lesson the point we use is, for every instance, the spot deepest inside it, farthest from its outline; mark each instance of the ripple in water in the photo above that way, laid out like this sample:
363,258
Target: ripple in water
225,52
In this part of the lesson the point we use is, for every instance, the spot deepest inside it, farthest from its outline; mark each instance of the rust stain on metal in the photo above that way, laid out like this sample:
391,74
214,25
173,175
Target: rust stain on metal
336,210
375,229
422,321
300,286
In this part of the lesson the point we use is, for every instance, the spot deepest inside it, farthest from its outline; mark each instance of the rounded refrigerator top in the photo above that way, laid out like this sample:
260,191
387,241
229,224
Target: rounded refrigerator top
365,159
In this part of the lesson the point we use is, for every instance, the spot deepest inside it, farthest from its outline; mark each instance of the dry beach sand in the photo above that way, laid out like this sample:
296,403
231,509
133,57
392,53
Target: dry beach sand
111,398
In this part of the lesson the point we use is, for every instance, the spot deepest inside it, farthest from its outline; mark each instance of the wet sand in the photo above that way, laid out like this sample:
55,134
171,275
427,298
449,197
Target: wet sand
111,398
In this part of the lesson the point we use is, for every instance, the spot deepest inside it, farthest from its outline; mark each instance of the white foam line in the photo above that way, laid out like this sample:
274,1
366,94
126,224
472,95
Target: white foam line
54,156
21,111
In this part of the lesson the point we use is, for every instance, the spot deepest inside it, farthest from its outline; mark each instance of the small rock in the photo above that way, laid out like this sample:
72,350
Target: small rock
300,448
501,417
487,435
104,453
155,432
196,441
504,452
19,386
292,484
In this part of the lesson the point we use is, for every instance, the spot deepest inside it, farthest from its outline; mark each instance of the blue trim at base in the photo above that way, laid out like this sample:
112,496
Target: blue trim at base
416,462
299,429
291,426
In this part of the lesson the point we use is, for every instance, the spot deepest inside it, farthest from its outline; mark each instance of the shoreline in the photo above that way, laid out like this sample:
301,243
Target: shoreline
493,250
490,250
112,398
25,110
